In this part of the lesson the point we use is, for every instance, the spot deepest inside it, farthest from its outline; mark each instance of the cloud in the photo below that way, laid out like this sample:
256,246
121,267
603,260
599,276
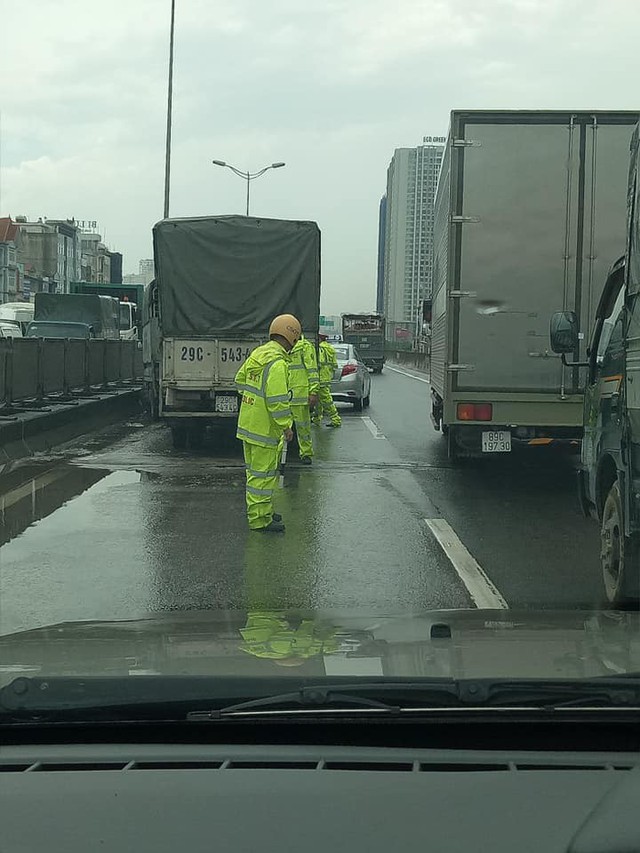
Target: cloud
329,86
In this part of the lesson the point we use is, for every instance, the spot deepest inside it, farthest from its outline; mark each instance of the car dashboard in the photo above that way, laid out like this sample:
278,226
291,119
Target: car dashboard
203,797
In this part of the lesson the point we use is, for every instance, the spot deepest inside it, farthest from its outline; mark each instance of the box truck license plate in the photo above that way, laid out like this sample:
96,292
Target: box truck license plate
496,442
226,403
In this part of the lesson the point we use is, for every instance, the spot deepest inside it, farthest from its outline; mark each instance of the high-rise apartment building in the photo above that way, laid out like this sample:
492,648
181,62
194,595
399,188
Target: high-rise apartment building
382,224
145,274
407,251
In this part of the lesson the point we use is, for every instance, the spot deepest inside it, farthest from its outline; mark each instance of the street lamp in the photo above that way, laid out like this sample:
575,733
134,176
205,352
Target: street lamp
247,176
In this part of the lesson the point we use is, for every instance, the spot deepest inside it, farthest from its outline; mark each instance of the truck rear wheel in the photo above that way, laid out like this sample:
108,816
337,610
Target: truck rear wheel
152,402
453,453
179,437
196,435
619,554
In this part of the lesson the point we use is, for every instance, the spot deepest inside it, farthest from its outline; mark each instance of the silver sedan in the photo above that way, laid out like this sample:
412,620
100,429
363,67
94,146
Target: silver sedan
352,380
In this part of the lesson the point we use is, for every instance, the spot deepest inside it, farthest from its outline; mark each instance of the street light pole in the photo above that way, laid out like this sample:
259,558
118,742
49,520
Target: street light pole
247,176
167,154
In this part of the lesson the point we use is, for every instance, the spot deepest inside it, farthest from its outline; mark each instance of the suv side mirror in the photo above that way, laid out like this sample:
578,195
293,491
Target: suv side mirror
563,332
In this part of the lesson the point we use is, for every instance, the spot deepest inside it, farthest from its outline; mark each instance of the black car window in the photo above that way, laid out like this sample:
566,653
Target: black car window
610,348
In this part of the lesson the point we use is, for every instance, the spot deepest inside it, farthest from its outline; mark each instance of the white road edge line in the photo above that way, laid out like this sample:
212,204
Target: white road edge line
483,591
372,427
404,373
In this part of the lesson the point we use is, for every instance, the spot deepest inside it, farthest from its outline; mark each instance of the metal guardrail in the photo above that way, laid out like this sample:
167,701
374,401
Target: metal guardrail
36,369
418,360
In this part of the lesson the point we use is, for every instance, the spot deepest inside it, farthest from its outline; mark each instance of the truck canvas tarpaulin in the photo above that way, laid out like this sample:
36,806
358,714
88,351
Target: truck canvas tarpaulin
231,275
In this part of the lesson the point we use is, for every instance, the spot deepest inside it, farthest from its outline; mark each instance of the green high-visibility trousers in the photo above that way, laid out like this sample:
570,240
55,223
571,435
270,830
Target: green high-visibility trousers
302,420
262,478
326,407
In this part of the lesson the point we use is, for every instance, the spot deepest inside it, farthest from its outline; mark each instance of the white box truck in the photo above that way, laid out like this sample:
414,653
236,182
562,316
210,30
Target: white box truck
530,211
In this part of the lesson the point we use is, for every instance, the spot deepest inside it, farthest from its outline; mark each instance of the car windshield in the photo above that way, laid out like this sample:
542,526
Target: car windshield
57,330
302,416
125,316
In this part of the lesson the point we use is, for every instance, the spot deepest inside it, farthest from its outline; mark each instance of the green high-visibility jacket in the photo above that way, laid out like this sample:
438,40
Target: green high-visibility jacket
327,362
270,635
265,411
303,372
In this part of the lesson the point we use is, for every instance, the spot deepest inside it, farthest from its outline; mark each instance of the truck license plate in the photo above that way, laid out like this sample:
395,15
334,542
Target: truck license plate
226,403
496,442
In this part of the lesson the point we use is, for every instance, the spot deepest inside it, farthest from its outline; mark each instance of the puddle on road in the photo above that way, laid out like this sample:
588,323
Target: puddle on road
31,492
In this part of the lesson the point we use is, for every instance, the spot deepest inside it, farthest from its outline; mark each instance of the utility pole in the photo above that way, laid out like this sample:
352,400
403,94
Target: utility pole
167,155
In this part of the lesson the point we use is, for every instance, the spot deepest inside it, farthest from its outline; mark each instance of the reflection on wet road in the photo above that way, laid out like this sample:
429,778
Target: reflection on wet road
120,525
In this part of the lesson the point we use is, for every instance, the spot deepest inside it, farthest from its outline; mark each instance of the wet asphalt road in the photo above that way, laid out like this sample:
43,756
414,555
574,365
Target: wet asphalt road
119,525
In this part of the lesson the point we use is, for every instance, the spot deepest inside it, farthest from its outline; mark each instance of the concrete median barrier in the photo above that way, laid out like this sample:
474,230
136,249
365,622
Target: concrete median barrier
32,369
41,381
24,380
52,368
76,366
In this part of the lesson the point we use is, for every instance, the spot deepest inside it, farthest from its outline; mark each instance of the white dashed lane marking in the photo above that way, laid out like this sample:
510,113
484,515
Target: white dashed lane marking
482,590
372,427
409,375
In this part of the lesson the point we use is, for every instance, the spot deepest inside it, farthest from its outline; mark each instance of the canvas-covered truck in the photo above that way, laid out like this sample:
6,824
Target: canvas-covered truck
366,333
530,210
129,296
101,313
220,280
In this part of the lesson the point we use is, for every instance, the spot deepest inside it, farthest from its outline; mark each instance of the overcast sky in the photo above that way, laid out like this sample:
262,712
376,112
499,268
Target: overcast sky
329,86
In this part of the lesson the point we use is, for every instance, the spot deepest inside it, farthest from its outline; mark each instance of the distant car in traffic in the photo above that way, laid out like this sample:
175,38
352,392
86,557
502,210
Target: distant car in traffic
352,380
51,329
9,329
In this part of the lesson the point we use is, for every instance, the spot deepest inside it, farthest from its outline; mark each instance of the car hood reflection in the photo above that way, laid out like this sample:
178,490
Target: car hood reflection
443,644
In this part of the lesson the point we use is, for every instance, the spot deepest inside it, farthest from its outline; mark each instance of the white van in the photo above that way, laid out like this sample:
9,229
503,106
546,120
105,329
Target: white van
128,321
9,329
17,312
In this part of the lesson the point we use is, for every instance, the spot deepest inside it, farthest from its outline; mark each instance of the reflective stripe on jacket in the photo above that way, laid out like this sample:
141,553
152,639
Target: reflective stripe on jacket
303,372
327,362
265,411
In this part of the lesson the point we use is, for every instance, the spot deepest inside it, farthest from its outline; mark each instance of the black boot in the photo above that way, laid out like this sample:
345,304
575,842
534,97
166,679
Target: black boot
274,527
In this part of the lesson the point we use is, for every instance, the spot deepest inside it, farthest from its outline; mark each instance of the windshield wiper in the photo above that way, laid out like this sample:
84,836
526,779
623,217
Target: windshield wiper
308,698
210,699
416,697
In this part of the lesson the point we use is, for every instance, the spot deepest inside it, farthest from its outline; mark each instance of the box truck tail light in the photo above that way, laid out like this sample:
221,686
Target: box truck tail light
475,411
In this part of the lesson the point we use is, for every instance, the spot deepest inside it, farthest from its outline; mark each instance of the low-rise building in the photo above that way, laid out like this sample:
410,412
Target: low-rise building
49,251
9,270
96,259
